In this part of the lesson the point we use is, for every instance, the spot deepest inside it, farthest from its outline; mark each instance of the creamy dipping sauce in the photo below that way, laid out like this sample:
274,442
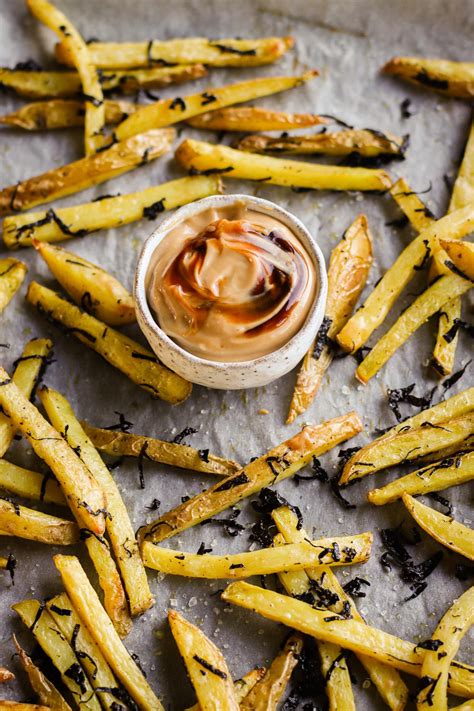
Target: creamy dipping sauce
231,284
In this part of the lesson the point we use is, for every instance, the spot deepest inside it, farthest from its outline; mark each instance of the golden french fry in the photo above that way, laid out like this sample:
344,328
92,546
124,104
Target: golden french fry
349,634
463,190
86,172
22,522
169,111
25,376
253,118
62,113
200,157
78,52
205,664
84,496
378,304
441,75
278,464
339,550
435,296
412,206
348,270
91,287
436,667
12,276
44,689
218,53
128,444
119,527
242,686
93,616
362,142
56,226
125,354
450,471
460,257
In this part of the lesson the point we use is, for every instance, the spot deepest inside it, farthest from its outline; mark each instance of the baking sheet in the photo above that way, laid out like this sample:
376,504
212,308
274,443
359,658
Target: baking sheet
347,42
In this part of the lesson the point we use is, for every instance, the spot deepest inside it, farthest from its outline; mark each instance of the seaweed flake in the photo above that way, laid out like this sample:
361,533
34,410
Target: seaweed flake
336,492
183,434
419,267
51,216
353,587
233,50
144,356
405,109
424,78
211,171
123,424
230,526
207,665
317,472
415,573
417,589
120,694
64,612
339,121
99,198
431,644
178,102
236,565
154,506
76,673
204,455
441,500
208,98
152,211
141,456
230,483
11,567
458,323
202,550
334,665
322,339
453,379
92,100
404,395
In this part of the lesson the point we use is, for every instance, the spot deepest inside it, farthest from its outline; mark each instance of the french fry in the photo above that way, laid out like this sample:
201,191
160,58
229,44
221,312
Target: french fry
93,616
348,270
66,222
119,527
450,78
84,496
430,301
278,464
412,206
25,376
378,304
169,111
44,689
450,471
460,257
125,354
444,529
128,444
12,276
217,53
339,550
91,287
92,660
253,118
414,443
242,686
362,142
22,522
41,624
78,53
6,675
205,664
86,172
267,693
463,189
349,634
436,669
60,85
201,157
30,484
387,680
62,113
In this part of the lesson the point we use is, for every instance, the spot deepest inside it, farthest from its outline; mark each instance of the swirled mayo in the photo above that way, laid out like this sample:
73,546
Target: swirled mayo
231,284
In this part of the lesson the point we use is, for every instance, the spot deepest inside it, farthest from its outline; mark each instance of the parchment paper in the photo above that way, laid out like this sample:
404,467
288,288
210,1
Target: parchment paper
347,42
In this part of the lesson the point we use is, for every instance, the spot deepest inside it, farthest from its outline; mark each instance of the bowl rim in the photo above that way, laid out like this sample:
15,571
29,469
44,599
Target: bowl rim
260,205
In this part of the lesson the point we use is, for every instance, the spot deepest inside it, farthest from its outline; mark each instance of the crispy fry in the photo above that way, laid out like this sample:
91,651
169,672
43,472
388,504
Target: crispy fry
25,376
78,53
217,53
267,693
444,529
409,445
349,634
205,664
348,270
12,276
242,686
128,356
441,291
62,113
378,304
22,522
41,624
85,173
44,689
119,527
6,675
436,669
445,77
253,118
128,444
278,464
30,484
387,680
67,222
460,256
361,142
338,550
201,157
92,659
463,190
450,471
90,286
93,616
82,492
170,111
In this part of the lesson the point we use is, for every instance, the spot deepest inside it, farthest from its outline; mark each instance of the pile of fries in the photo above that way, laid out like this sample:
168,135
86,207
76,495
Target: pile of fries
80,632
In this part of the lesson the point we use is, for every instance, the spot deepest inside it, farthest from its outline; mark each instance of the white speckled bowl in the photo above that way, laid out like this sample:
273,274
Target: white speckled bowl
225,375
